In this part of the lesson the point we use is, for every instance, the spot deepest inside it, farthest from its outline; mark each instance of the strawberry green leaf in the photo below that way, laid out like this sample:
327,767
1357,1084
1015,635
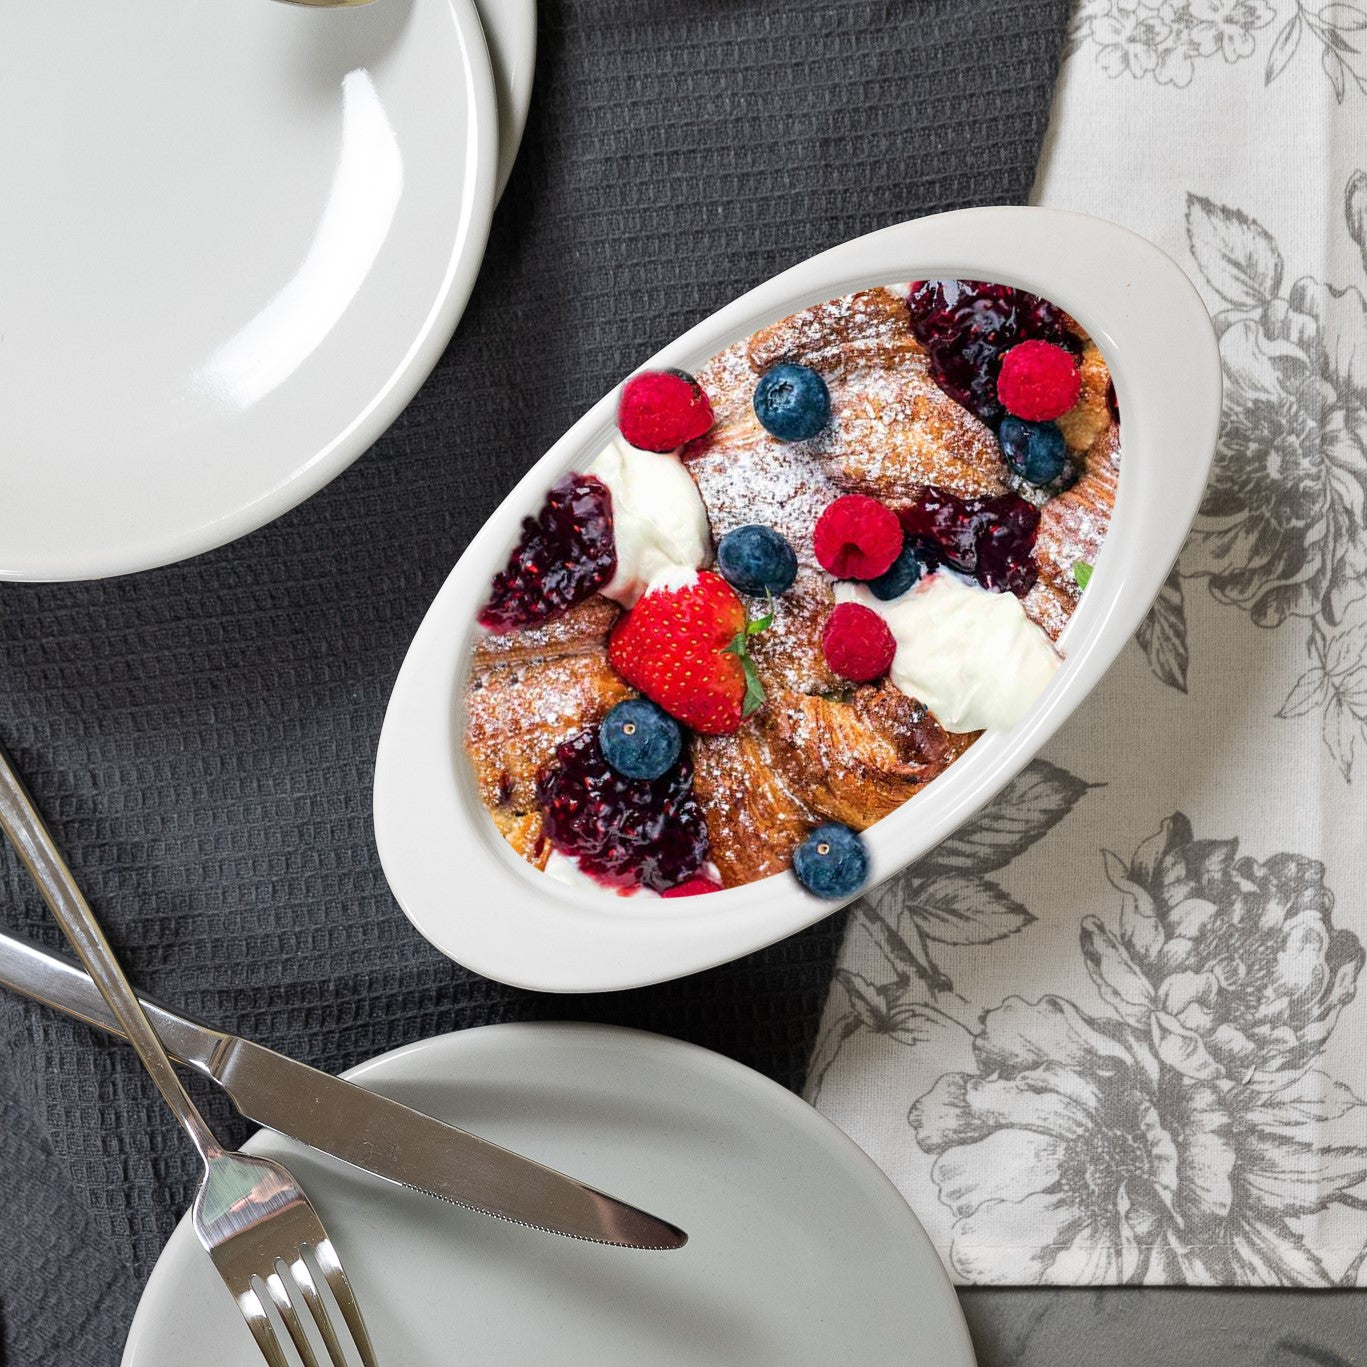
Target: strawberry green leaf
761,623
1082,572
739,647
754,688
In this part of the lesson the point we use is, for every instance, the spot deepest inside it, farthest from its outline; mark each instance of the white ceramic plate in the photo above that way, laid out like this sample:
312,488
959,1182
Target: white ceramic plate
465,889
800,1251
510,32
237,238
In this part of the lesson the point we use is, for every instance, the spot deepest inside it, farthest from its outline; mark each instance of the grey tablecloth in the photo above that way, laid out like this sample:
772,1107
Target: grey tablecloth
201,737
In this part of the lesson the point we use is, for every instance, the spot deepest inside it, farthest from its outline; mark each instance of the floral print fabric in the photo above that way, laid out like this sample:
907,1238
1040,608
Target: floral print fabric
1110,1032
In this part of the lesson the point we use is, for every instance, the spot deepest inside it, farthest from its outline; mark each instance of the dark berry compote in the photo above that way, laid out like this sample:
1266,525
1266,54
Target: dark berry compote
566,554
622,831
967,326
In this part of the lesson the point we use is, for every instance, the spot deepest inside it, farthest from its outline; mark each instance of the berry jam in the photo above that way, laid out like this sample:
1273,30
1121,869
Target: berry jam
566,553
622,830
967,326
993,539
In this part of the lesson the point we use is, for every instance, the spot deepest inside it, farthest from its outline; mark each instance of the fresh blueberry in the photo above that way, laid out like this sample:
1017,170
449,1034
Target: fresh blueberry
640,740
756,560
792,402
905,571
1035,451
832,861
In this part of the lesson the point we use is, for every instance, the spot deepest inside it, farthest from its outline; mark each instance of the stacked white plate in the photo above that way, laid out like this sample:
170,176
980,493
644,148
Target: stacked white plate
238,236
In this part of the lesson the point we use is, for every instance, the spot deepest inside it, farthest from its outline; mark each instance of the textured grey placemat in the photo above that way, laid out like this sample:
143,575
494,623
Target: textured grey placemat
202,737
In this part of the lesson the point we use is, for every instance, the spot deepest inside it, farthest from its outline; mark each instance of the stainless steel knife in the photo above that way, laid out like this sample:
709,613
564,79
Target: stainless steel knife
351,1123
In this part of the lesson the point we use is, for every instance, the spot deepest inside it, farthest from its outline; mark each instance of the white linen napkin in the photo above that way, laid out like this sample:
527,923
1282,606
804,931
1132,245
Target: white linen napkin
1111,1032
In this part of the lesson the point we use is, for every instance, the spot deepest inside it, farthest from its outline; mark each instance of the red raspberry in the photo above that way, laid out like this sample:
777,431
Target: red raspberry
1039,381
857,538
692,887
857,643
661,409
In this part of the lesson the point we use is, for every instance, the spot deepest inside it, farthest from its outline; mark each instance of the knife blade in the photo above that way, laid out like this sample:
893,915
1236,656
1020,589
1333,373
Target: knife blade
350,1122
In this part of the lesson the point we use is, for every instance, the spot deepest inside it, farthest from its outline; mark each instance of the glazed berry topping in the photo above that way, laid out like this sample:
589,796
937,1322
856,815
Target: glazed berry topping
622,831
857,538
1035,451
693,887
792,402
857,643
660,410
1038,381
640,740
832,861
967,326
566,553
993,539
905,571
757,560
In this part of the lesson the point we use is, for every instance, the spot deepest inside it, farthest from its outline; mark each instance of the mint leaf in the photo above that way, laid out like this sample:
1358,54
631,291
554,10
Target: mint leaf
754,688
739,647
1082,572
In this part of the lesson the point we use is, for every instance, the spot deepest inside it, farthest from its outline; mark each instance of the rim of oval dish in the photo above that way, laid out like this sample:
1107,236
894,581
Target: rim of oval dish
466,890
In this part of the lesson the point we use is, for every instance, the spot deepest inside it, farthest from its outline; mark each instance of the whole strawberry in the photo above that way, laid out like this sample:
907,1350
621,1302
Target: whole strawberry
685,649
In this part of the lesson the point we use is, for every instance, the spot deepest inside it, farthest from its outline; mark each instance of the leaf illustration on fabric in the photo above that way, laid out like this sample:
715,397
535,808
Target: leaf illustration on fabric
889,1010
1236,254
1162,635
1284,47
1335,686
964,909
1026,810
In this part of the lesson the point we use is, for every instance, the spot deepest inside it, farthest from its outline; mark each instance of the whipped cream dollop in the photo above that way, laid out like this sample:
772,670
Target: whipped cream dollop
972,656
659,523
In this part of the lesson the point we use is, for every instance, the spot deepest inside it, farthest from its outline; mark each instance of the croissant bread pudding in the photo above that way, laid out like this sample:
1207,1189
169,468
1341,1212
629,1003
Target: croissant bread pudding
792,590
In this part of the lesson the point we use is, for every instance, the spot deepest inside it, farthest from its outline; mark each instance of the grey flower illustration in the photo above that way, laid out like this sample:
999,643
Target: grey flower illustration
1282,525
1163,39
1282,531
1231,966
1074,1155
1129,37
1227,26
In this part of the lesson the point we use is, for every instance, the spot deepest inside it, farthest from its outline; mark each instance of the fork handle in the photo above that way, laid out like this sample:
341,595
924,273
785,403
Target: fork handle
33,842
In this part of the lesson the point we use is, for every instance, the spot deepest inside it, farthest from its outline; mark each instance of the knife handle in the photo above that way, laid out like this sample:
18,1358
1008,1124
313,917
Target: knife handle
57,983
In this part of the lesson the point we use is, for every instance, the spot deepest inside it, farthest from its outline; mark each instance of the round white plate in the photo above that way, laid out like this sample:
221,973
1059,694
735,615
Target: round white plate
238,237
461,884
800,1251
510,32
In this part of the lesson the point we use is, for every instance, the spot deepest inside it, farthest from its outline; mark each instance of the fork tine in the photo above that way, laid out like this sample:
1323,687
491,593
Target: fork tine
337,1282
303,1276
249,1303
275,1284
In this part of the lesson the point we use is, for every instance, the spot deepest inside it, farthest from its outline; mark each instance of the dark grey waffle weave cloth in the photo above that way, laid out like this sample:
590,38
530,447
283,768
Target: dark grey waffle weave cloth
202,737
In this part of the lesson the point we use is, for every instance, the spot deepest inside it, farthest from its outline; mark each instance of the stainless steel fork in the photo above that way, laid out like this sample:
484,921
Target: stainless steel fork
249,1213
